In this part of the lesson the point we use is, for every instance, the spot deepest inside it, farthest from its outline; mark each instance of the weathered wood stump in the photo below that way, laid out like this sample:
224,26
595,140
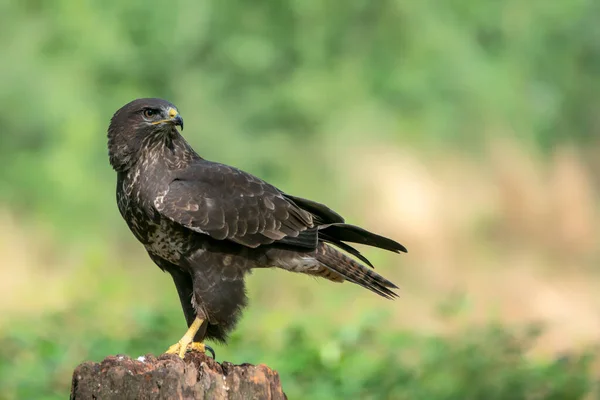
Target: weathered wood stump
169,377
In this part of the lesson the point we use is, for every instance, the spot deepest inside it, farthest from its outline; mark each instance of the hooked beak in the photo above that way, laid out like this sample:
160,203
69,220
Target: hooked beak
177,120
174,118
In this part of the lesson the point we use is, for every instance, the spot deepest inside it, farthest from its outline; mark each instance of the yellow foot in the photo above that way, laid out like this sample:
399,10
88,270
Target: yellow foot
202,348
197,346
181,347
178,348
193,346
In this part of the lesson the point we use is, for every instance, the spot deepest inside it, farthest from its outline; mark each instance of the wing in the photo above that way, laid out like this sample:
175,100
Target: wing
229,204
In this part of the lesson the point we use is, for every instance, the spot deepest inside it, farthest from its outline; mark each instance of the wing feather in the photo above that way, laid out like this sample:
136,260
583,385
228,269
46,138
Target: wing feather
227,203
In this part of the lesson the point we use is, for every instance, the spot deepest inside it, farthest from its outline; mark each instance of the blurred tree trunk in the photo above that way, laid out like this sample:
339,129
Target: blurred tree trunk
169,377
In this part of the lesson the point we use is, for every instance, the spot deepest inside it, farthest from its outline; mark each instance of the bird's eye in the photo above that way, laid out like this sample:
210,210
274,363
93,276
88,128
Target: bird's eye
149,113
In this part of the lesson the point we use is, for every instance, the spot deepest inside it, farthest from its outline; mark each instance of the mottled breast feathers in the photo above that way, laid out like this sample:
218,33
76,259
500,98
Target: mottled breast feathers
227,203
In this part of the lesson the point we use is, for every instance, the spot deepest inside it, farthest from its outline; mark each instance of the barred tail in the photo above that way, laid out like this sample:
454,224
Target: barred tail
355,272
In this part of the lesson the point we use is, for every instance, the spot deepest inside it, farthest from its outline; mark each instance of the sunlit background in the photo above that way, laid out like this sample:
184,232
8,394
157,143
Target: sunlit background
466,130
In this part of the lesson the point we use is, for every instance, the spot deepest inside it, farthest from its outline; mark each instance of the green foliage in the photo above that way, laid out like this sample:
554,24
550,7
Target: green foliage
364,361
275,88
263,84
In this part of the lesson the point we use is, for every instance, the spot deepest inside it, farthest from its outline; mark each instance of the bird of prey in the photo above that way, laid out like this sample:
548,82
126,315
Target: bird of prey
208,224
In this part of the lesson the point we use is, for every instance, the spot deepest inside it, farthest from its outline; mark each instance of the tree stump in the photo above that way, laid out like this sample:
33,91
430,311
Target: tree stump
169,377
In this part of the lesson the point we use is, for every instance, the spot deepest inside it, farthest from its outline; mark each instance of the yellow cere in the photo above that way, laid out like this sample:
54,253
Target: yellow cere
172,114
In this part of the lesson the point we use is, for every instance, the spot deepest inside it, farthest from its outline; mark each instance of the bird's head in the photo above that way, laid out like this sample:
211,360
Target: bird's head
140,123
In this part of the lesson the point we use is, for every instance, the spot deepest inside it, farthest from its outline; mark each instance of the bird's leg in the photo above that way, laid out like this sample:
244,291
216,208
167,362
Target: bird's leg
181,347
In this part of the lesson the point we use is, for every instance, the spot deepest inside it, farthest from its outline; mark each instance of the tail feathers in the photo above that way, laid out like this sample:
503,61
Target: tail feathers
350,233
339,233
346,247
355,272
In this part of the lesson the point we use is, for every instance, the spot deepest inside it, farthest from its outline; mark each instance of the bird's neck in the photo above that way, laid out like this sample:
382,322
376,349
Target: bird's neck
174,151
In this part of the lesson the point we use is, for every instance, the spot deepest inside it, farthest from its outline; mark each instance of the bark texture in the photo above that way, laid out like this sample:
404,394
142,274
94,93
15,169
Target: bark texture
169,377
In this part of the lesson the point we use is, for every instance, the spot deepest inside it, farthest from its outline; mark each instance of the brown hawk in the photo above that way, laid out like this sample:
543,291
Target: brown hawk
209,224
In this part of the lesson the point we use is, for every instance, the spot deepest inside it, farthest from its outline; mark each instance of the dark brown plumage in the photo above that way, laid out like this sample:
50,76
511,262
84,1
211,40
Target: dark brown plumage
209,224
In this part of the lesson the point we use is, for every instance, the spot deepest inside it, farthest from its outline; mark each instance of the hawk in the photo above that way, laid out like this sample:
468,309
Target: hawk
208,224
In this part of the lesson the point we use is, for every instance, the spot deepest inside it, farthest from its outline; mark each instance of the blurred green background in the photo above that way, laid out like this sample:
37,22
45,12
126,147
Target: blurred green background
467,130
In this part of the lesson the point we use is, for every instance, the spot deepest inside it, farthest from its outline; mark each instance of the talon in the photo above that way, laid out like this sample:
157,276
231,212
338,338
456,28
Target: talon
211,351
201,347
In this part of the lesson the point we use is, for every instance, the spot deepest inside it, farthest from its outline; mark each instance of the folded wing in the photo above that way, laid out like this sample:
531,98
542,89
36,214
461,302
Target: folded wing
229,204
